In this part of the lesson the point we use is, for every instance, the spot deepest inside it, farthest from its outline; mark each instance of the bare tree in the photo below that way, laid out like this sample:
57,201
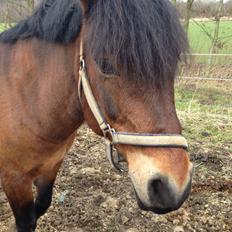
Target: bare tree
188,14
14,10
228,8
216,41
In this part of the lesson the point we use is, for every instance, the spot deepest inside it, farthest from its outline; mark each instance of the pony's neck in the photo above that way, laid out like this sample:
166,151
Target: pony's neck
60,108
44,87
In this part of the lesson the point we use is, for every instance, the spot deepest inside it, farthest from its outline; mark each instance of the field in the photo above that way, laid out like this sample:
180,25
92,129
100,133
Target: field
200,42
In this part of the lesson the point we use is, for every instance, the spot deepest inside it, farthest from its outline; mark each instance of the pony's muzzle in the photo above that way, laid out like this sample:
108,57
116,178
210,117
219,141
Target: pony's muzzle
163,196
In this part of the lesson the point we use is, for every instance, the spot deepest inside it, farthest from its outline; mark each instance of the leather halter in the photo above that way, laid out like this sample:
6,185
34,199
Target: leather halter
113,137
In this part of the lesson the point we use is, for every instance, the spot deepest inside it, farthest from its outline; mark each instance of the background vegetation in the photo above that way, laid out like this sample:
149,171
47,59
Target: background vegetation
200,36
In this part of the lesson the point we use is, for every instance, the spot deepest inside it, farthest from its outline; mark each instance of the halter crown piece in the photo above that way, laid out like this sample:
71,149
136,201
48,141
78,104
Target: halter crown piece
113,137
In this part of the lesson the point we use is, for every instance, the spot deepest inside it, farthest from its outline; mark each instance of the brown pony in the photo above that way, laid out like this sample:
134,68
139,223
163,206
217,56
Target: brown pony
131,51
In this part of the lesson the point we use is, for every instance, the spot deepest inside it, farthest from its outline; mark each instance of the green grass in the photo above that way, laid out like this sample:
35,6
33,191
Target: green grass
201,43
205,110
204,97
207,133
3,27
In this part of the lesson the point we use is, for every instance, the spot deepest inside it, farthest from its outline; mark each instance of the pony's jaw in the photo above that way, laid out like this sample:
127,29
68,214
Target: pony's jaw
158,186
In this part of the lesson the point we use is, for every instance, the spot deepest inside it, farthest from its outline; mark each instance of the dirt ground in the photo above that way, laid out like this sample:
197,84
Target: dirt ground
89,196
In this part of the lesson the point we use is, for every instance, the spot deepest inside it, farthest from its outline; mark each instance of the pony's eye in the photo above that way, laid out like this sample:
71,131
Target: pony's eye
106,68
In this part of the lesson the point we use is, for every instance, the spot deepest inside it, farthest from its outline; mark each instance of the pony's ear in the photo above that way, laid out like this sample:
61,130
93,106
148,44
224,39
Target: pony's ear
87,4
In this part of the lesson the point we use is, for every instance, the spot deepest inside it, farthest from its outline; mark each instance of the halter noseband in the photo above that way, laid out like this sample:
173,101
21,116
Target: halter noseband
111,136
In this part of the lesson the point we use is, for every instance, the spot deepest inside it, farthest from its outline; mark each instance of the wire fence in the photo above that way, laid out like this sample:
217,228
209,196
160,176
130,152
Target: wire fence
217,69
204,78
202,54
205,87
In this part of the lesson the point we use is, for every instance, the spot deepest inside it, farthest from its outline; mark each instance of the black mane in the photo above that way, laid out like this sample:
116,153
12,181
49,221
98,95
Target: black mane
54,21
142,38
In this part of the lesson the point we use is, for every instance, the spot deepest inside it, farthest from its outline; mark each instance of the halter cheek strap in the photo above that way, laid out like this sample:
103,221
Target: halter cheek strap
134,139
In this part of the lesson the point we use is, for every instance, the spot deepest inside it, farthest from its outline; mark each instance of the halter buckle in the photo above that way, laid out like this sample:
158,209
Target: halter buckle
108,132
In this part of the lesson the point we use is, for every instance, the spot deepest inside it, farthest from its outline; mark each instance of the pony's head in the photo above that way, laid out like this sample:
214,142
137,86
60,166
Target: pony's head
131,50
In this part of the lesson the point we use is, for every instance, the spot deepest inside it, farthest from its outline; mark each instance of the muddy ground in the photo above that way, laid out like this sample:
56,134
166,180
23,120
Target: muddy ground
89,196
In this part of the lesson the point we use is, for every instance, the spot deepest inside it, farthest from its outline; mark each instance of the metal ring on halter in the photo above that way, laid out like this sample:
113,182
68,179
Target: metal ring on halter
82,64
108,131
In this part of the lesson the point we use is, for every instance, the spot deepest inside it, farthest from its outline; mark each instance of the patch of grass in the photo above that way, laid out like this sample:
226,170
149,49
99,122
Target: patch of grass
208,133
2,27
201,43
205,110
204,97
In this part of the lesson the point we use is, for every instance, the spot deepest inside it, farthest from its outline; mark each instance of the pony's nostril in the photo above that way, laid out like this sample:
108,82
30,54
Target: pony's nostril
156,188
157,185
160,192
